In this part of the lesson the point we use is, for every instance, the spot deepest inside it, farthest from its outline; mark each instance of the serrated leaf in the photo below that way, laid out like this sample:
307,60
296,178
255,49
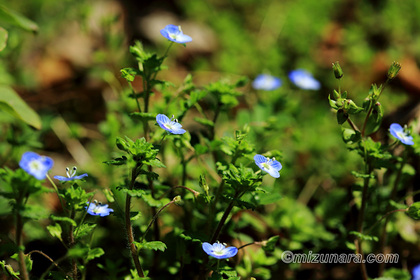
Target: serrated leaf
129,73
55,231
8,270
16,19
11,103
94,253
152,245
83,230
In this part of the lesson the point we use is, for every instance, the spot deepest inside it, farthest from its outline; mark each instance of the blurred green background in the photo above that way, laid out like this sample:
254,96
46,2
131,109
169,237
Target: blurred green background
69,73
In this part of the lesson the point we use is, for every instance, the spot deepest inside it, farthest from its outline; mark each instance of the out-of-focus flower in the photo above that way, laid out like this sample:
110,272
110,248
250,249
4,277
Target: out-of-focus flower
174,33
71,175
36,165
99,209
219,251
416,272
398,132
266,82
170,125
271,166
303,79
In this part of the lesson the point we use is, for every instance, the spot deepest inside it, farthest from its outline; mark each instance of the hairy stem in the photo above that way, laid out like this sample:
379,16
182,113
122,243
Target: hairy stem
129,228
392,197
223,219
71,244
22,265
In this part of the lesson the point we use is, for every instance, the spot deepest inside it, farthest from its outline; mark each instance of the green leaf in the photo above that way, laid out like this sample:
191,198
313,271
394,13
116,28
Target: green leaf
8,270
270,244
55,231
83,230
3,38
16,19
396,273
94,253
342,116
363,176
63,219
116,161
350,136
77,252
11,103
414,210
143,116
129,74
152,245
364,236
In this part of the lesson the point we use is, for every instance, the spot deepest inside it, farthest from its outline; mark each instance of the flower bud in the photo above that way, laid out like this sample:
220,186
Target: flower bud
177,199
393,70
338,72
336,94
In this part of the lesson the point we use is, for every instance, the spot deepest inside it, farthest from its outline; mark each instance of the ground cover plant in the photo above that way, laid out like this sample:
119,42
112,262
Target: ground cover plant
279,141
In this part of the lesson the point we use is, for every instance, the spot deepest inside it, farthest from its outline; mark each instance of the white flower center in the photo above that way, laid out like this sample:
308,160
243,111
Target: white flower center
401,134
35,165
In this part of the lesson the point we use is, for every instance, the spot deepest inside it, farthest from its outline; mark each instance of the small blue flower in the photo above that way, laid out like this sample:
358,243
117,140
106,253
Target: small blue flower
304,80
266,82
219,251
174,33
271,166
99,209
36,165
416,272
398,132
170,125
71,175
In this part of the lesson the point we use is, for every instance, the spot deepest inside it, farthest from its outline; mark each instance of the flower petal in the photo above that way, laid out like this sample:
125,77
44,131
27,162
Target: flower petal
207,247
230,252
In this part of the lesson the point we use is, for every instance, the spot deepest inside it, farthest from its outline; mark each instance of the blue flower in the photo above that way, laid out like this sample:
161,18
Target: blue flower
398,132
304,80
416,272
174,33
266,82
99,209
271,166
170,125
71,175
219,251
36,165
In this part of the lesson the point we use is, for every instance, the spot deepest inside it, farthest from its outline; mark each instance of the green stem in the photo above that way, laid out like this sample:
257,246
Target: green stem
154,218
128,227
392,197
362,213
19,227
134,95
71,244
222,221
